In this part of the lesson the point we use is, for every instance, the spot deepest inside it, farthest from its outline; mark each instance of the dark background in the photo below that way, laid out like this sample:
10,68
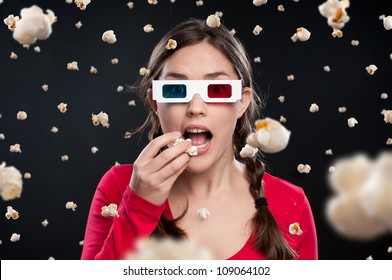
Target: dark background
55,182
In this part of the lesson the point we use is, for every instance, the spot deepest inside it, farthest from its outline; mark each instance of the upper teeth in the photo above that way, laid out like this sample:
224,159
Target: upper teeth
196,130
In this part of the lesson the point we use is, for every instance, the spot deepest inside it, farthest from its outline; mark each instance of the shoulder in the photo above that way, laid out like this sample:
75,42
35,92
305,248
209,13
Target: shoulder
283,197
115,181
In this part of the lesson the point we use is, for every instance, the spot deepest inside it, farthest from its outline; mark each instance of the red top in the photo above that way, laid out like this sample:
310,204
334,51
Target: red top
111,237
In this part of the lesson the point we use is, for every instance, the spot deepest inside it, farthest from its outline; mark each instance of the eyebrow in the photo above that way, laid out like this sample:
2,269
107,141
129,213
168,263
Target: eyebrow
209,76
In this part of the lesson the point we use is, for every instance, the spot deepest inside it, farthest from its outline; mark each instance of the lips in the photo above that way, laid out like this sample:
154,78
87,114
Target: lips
199,135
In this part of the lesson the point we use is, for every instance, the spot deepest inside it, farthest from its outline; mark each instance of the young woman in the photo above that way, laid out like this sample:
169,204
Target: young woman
200,90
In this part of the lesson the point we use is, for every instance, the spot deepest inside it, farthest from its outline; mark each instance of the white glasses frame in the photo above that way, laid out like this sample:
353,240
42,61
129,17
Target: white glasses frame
196,87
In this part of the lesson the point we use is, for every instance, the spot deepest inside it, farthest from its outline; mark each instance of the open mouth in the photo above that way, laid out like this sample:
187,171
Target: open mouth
200,137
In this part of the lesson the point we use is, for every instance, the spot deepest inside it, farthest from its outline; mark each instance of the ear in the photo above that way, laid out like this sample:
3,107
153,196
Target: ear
244,102
153,103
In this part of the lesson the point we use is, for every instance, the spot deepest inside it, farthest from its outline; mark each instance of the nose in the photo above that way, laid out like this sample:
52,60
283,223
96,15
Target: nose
196,106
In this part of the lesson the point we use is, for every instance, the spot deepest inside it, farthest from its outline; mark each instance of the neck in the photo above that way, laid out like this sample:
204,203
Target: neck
217,179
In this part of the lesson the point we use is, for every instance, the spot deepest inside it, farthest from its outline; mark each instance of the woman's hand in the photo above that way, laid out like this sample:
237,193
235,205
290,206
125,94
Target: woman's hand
154,173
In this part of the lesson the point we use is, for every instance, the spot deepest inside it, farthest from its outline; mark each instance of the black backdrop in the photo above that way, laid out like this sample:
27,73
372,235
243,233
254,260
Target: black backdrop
54,182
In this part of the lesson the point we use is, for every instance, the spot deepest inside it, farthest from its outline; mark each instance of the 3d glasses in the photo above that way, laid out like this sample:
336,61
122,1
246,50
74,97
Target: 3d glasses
182,91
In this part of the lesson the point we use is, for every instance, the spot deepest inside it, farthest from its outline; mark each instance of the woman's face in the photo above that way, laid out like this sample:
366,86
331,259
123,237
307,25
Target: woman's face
210,126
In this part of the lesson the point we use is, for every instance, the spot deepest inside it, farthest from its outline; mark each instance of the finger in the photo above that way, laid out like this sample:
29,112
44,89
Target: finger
168,155
153,148
171,171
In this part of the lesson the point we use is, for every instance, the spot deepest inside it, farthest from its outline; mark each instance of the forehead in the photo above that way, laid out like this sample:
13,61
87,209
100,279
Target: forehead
197,60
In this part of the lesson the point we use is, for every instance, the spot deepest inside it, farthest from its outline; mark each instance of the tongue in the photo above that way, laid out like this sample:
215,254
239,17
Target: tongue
198,138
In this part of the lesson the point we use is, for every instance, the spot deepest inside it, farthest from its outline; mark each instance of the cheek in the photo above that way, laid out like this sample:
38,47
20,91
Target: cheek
169,117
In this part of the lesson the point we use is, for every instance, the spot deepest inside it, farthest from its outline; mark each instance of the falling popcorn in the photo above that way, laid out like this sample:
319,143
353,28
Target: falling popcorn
203,214
281,99
257,29
15,237
387,21
171,44
78,25
54,129
342,109
213,21
64,158
371,69
384,95
259,2
130,5
389,141
102,118
389,250
335,12
168,249
295,229
199,3
45,223
302,34
73,66
355,43
153,2
281,8
270,136
94,150
352,122
11,21
109,37
120,89
33,25
388,116
290,78
114,61
257,59
144,71
15,148
327,68
303,168
314,108
337,33
93,70
148,28
110,210
13,55
21,115
71,205
248,151
62,107
45,87
362,207
27,176
11,213
82,4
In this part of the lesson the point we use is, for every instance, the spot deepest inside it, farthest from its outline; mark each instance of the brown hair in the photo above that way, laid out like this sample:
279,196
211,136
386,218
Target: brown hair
268,238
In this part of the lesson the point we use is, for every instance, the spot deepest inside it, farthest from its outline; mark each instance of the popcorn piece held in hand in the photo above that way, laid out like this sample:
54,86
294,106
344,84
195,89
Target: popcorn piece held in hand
11,213
102,118
110,210
10,182
21,115
304,168
109,37
192,151
71,205
295,229
213,21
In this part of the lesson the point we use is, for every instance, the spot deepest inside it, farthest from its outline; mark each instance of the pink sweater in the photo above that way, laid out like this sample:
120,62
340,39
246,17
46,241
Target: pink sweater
112,237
